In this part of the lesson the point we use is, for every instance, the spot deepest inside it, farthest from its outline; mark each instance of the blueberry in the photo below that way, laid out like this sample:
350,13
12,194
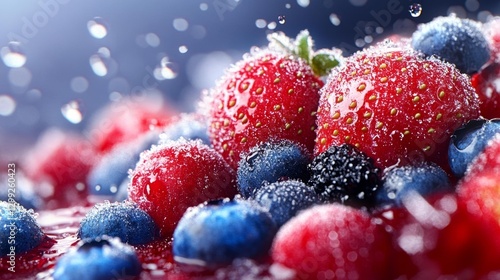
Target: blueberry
187,127
19,230
424,179
120,219
346,175
216,233
455,40
25,193
468,141
271,162
95,259
285,199
106,176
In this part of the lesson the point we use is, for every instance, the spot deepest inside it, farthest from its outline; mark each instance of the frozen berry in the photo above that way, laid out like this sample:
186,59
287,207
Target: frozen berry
218,232
172,177
18,229
285,199
120,219
344,174
458,41
271,162
423,178
333,241
98,259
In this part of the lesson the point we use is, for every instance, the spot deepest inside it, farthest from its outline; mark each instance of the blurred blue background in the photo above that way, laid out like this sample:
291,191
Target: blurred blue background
64,59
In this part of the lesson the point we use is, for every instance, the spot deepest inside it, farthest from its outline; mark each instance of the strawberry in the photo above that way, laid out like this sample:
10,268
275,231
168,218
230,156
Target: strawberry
271,93
486,80
125,120
59,164
395,106
333,241
480,187
439,235
170,178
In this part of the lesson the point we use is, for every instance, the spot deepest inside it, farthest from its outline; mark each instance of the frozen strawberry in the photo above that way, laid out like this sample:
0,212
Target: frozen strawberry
270,94
492,32
125,120
487,85
59,164
438,236
395,106
333,241
480,187
171,177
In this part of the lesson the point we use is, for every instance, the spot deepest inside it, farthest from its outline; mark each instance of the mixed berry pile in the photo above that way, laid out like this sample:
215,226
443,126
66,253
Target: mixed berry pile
298,164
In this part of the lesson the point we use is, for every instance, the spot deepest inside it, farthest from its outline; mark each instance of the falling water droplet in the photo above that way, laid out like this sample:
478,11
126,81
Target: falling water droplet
281,19
12,55
166,70
97,62
97,28
71,111
415,10
7,105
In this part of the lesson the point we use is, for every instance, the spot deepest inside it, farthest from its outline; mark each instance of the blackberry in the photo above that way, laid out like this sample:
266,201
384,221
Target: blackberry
346,175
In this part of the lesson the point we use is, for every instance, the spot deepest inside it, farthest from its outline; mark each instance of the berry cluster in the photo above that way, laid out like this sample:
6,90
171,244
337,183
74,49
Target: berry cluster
299,164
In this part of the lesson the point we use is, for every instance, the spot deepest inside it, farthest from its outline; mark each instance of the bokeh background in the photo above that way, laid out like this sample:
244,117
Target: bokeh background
62,60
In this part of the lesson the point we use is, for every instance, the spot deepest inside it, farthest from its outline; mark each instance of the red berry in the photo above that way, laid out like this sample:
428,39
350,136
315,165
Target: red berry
59,163
125,120
487,85
170,178
395,106
439,236
268,95
333,241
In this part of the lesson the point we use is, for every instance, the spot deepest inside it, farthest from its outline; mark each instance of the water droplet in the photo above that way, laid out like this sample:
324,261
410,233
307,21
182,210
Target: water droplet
7,105
71,111
334,19
79,84
260,23
152,40
183,49
281,19
358,3
288,6
166,70
271,25
97,62
12,55
203,6
180,24
415,10
303,3
97,28
20,77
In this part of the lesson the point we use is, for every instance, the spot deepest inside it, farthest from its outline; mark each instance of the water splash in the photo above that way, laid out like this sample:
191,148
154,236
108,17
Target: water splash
415,10
97,28
12,55
72,112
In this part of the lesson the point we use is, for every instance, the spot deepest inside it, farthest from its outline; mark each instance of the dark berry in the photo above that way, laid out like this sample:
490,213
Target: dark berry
271,162
455,40
214,234
95,259
285,199
469,141
120,219
346,175
424,179
19,231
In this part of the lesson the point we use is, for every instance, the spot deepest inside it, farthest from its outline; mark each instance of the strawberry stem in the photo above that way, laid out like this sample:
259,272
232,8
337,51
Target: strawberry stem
321,61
